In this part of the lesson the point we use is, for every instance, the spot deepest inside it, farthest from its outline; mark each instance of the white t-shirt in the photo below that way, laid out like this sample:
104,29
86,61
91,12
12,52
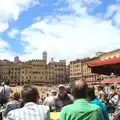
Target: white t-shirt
7,89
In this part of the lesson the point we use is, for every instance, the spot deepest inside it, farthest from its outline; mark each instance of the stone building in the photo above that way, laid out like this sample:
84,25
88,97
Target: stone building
44,55
33,71
60,72
87,72
56,71
30,71
80,70
68,73
4,70
111,54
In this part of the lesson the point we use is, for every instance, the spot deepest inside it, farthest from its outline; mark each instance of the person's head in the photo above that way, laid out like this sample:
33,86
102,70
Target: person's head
79,89
118,88
112,89
54,92
7,83
62,90
100,88
91,93
47,95
16,96
30,94
68,89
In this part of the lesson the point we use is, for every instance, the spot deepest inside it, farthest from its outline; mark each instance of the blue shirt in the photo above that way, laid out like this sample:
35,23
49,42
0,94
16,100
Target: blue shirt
102,106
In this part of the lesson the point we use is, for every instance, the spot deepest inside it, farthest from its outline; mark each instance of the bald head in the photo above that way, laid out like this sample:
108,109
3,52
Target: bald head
79,89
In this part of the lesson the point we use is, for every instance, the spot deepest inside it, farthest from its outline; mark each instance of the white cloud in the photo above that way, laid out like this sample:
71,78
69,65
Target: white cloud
3,44
37,18
13,33
117,18
5,52
113,11
70,37
10,9
3,26
85,1
110,10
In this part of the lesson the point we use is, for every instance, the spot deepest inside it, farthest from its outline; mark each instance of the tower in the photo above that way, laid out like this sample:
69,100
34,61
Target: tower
16,59
45,55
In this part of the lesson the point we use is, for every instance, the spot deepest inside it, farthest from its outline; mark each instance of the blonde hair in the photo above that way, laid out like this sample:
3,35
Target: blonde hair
16,96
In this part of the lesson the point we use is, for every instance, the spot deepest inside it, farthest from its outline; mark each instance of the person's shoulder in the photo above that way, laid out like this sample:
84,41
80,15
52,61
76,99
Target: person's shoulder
15,111
6,86
70,96
43,107
101,92
96,101
93,106
12,114
68,107
115,97
9,103
55,97
50,98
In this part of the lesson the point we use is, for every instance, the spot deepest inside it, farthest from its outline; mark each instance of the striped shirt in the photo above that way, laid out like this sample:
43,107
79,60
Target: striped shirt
30,111
115,101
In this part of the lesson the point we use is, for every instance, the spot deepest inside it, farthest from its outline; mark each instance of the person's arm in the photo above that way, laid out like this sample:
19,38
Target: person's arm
8,108
113,101
45,102
63,114
11,90
71,99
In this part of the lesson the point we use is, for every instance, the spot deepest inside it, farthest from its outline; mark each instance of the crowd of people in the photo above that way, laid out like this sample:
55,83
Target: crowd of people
76,101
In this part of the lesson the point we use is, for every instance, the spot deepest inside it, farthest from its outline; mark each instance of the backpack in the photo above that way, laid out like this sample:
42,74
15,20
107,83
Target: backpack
3,98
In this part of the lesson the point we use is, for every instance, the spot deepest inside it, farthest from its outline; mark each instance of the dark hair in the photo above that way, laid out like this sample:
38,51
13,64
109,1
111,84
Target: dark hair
112,87
68,90
118,83
91,93
16,96
100,88
29,93
79,89
7,83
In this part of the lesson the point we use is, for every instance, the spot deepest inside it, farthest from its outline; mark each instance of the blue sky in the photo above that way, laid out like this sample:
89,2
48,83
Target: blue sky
66,29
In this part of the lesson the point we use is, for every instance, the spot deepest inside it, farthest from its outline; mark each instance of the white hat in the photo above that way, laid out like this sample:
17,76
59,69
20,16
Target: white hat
61,86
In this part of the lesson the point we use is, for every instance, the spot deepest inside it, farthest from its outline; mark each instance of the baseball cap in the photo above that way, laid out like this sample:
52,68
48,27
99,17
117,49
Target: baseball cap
53,91
61,86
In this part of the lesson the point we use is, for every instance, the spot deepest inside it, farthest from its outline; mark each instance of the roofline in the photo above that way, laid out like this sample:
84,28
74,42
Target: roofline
109,52
104,62
84,60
